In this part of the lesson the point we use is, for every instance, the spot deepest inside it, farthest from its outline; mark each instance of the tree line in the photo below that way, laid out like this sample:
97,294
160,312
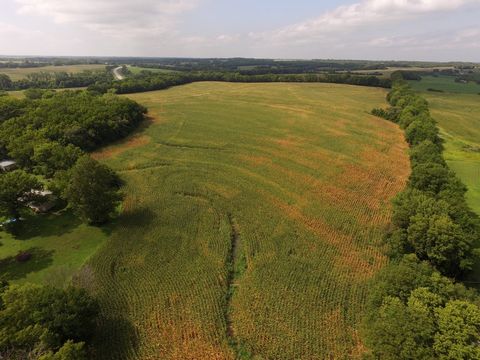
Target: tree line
418,308
55,80
148,81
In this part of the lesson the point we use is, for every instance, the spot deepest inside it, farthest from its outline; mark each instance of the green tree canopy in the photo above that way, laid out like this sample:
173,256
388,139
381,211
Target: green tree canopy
15,191
458,336
32,316
92,190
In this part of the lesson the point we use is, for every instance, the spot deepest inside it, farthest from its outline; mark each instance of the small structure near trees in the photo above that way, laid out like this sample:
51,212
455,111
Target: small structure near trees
44,201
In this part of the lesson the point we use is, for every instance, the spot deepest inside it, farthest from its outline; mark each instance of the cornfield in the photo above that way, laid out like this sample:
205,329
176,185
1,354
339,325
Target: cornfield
252,223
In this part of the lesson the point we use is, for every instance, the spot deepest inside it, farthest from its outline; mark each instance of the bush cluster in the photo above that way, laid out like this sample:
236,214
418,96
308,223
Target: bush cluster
416,310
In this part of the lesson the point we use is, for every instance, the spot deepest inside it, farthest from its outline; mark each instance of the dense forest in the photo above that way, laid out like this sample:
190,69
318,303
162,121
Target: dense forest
418,308
48,135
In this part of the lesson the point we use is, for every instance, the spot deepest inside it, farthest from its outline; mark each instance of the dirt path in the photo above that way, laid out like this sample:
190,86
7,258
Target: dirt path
117,74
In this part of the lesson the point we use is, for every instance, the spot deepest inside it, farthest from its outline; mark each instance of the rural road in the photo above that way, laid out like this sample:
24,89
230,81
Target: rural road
117,74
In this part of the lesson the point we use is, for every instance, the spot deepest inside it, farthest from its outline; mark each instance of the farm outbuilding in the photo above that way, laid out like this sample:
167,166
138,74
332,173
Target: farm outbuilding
7,165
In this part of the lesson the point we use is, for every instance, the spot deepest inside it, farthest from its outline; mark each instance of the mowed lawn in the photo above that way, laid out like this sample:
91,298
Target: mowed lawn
298,176
458,116
21,73
59,246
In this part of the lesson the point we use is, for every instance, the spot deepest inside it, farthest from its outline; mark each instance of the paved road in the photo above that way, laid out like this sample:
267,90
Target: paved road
117,74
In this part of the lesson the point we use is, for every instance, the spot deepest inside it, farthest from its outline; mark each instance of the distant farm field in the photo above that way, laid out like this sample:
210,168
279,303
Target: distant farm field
21,73
252,224
446,84
389,70
137,69
459,118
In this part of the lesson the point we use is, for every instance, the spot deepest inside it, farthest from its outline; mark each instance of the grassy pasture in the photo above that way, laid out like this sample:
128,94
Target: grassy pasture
59,245
459,118
446,84
21,73
252,223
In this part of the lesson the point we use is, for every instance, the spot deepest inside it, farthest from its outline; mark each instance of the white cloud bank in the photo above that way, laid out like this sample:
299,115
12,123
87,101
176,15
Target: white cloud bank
362,14
365,29
113,17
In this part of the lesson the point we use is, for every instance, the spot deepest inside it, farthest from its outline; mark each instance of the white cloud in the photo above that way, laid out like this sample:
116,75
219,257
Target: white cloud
114,17
8,31
405,29
368,12
462,39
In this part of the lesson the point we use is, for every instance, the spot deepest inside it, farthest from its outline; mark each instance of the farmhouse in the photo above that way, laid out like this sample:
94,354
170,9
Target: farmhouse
45,202
7,165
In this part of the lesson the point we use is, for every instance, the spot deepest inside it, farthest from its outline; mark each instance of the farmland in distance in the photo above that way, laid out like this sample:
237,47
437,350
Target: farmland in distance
21,73
252,224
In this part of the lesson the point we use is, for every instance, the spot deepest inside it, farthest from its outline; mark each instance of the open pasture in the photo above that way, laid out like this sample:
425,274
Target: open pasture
21,73
447,84
458,116
252,224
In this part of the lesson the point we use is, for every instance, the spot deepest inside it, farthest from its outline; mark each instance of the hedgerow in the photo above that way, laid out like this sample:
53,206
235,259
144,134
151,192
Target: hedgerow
417,298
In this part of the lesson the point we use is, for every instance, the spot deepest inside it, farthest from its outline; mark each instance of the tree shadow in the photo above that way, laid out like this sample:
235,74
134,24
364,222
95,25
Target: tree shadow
136,218
57,224
115,337
12,269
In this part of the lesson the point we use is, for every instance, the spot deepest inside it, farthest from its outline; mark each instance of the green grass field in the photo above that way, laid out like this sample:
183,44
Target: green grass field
458,116
21,73
137,69
252,223
389,70
446,84
59,245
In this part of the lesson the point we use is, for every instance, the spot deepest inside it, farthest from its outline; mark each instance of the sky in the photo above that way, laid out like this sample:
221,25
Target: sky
430,30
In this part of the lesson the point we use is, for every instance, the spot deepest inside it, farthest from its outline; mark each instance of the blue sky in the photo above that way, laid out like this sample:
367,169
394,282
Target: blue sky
356,29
